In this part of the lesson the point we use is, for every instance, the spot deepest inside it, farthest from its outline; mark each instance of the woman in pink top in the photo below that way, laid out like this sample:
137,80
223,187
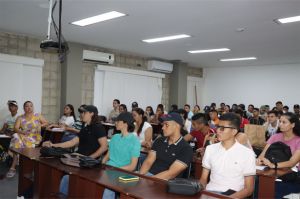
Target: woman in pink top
289,125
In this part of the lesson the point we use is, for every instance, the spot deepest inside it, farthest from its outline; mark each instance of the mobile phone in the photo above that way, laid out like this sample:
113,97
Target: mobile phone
129,178
229,192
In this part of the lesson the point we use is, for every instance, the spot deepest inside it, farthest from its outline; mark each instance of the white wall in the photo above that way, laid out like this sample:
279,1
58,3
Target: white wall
257,85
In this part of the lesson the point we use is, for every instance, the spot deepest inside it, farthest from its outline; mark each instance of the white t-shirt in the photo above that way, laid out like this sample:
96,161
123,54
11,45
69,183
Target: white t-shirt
67,120
188,125
228,167
10,121
142,134
272,130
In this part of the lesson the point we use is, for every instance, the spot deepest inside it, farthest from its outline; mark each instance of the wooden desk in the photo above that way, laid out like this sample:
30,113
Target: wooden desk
266,181
54,135
27,162
109,126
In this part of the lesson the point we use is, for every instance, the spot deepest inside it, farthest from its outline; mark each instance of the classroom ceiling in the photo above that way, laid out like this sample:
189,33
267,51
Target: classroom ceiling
212,24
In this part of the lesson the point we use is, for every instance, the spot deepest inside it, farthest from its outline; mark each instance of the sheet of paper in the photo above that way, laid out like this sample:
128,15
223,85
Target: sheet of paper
260,167
4,136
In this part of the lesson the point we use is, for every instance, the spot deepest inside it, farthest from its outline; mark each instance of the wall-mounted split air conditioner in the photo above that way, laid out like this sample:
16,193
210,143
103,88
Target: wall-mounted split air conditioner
99,57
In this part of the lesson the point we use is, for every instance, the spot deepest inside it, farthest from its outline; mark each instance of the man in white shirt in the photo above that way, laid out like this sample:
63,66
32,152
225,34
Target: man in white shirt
272,123
9,123
231,165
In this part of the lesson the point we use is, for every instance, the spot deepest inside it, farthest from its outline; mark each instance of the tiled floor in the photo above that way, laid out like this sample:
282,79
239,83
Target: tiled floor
8,186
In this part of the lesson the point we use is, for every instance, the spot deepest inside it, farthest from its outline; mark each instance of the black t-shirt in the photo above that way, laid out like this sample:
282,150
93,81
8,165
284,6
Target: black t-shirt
167,154
88,138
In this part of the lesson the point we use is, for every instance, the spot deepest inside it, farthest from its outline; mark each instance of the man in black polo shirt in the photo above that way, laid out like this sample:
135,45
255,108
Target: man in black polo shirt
170,155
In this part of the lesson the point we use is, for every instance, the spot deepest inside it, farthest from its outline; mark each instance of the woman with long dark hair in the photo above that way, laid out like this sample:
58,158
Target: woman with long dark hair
67,119
91,140
289,125
143,129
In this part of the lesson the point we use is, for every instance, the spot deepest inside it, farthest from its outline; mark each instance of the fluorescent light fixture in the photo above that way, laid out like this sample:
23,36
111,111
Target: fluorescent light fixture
239,59
289,19
209,50
98,18
167,38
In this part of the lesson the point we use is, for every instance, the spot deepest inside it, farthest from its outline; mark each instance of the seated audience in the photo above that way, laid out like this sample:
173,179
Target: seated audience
115,111
173,108
187,123
272,124
27,133
159,112
263,113
149,113
67,119
297,110
285,109
170,155
221,109
124,148
255,119
249,112
290,135
72,131
214,119
244,121
213,106
279,106
190,113
196,109
228,166
10,120
122,108
142,129
226,109
201,130
134,105
91,140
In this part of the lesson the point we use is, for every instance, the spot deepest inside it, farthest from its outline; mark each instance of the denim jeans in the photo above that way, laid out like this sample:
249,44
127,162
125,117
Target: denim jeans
64,185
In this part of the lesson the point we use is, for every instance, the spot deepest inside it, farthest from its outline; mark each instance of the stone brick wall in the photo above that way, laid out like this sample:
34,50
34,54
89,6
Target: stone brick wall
195,72
21,45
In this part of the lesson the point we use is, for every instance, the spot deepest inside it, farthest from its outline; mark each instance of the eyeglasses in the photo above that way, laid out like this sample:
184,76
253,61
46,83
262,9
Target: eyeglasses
222,128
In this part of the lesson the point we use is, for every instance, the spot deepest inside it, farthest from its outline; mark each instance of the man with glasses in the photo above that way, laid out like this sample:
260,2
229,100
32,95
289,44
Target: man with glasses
231,165
170,155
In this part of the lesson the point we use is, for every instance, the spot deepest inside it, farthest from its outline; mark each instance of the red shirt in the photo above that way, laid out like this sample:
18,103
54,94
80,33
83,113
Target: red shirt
200,136
243,122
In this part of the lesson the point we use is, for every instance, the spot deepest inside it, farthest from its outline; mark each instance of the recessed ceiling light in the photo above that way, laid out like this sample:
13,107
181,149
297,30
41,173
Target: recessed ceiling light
209,50
239,59
288,20
167,38
98,18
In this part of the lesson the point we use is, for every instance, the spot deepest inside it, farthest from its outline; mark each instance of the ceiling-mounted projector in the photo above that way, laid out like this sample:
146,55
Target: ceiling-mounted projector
51,46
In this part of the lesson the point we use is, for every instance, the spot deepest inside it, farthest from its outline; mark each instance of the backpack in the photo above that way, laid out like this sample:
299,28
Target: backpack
278,152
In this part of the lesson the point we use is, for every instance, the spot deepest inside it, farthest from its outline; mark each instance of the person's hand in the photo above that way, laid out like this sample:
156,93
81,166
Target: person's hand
200,151
259,161
268,163
47,144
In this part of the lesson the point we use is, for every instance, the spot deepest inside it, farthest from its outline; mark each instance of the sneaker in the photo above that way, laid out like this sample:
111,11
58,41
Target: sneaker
11,173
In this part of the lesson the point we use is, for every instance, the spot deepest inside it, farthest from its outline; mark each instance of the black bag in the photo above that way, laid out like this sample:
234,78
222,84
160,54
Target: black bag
184,186
53,151
88,162
278,152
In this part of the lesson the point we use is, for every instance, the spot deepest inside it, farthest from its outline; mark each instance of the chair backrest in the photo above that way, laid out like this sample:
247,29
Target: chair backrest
256,134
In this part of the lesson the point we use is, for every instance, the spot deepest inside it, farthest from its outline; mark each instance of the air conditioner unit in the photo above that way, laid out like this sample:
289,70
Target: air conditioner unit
159,66
99,57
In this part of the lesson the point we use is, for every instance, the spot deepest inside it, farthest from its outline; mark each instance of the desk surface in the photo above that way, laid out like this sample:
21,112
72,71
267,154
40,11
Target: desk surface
146,187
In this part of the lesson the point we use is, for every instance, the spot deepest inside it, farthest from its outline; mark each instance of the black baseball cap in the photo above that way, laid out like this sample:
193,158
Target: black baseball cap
81,108
172,117
12,102
125,117
90,108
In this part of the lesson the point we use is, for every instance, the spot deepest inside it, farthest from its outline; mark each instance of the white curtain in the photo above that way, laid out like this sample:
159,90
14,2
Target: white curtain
128,86
20,80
